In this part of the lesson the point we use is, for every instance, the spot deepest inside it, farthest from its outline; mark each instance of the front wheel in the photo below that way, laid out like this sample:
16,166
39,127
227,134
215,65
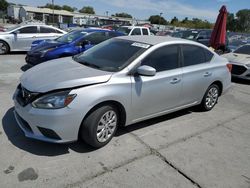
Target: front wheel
210,98
100,126
4,48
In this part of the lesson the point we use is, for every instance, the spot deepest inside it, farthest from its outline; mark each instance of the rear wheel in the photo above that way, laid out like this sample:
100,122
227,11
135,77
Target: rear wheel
210,98
4,47
100,126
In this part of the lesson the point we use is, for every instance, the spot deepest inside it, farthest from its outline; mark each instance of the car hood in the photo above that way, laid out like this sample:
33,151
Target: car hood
61,74
238,58
44,45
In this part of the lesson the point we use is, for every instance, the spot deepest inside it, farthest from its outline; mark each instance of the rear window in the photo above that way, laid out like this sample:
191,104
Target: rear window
145,31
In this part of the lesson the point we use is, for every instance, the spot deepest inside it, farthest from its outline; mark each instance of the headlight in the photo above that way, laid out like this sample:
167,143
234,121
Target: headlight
43,52
54,100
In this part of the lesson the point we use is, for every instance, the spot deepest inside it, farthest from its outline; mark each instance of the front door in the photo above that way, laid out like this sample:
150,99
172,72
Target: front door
152,95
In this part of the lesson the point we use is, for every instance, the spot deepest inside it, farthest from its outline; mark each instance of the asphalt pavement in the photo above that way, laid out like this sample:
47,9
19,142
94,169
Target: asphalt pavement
183,149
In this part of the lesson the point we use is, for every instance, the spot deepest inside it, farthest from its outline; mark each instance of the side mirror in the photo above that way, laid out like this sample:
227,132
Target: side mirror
16,32
145,70
85,42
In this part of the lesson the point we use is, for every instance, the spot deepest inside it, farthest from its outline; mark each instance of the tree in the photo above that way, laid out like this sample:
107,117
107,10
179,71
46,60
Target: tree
231,22
87,10
243,19
51,6
122,14
3,5
156,19
174,21
68,8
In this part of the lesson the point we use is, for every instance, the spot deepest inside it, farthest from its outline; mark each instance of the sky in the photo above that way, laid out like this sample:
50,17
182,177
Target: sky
142,9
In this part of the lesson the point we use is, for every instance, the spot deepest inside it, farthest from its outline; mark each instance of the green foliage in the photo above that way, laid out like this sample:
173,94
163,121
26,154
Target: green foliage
156,19
68,8
122,14
240,23
58,7
87,10
3,5
194,23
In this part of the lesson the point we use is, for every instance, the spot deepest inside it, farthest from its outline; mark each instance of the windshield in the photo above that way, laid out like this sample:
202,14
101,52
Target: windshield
112,55
124,30
189,34
243,50
72,36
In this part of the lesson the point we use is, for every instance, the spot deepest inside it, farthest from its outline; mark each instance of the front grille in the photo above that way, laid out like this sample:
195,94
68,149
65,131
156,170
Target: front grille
24,96
24,123
238,69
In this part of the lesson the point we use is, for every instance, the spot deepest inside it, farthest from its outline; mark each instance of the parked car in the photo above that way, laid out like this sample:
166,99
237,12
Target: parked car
202,36
134,30
69,44
240,60
2,29
118,82
20,37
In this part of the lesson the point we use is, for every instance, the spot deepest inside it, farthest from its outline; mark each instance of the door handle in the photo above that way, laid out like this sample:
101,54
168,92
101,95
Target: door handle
34,37
175,80
206,74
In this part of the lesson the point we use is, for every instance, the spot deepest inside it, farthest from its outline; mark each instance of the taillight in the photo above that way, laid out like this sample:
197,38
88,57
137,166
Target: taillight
229,66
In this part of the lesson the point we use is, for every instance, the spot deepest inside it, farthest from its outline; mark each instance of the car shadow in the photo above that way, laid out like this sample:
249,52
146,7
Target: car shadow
36,147
17,138
25,67
16,53
240,81
150,122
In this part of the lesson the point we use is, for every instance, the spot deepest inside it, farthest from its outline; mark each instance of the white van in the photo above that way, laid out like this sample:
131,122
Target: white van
134,30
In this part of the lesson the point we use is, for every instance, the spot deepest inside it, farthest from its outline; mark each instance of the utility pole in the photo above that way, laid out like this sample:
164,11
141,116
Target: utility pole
107,13
53,6
160,18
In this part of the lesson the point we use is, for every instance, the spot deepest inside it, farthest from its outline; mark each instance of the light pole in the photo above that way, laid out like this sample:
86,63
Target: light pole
160,18
53,11
107,13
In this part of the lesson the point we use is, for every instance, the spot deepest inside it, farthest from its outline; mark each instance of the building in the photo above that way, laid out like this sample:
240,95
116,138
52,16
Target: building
13,11
46,15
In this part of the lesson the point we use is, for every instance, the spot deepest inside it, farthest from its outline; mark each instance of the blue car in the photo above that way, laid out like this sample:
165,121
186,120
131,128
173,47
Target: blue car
69,44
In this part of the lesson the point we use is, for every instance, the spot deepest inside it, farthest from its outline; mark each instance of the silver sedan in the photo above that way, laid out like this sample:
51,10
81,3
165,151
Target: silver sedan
117,83
20,37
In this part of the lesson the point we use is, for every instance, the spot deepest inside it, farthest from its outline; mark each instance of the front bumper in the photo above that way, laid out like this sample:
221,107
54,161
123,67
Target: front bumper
35,59
241,71
56,126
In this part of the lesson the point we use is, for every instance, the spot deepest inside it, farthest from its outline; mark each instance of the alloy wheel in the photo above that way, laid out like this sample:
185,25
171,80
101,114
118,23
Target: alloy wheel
106,126
3,48
212,97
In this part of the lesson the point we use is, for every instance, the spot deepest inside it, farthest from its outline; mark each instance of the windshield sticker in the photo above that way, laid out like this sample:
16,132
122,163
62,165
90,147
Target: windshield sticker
141,45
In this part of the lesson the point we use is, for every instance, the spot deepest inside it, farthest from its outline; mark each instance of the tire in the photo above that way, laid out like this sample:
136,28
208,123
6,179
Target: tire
4,48
95,129
210,98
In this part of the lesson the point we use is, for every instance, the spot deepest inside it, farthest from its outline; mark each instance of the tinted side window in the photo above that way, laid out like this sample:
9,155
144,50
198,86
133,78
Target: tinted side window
30,29
47,30
162,59
96,38
145,31
193,55
136,31
209,55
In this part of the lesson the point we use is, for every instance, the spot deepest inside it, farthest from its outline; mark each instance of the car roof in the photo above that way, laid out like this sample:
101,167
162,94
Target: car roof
154,40
92,30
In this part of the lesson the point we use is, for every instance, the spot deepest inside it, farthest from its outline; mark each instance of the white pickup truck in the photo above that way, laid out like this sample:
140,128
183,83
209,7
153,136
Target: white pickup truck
134,30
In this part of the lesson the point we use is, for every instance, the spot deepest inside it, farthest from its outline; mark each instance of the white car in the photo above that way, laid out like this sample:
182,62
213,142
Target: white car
20,37
134,30
240,60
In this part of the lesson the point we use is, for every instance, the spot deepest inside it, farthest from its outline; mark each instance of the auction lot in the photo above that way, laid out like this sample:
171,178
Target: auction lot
183,149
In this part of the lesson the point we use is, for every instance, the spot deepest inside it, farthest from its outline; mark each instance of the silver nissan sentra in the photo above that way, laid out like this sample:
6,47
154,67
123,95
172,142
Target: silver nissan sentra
117,83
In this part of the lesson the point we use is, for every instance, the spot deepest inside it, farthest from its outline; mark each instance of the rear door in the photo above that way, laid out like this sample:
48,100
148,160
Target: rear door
152,95
197,72
47,33
24,38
